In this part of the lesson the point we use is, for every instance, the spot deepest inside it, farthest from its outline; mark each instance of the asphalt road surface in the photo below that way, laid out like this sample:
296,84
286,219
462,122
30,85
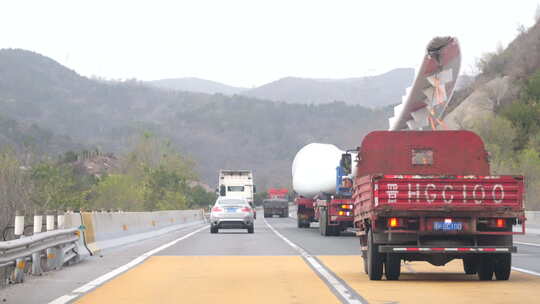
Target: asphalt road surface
279,263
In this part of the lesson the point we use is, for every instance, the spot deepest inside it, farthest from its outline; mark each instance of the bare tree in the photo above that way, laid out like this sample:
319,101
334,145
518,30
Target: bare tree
496,90
15,188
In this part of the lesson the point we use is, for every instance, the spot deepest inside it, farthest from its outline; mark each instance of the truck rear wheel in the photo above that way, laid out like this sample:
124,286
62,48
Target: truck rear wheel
485,267
392,267
470,263
375,260
503,266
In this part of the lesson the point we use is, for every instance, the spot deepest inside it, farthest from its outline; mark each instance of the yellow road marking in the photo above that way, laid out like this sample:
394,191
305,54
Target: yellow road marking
430,284
216,279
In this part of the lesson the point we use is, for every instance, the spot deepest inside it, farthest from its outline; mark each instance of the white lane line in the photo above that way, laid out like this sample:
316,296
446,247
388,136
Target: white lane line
339,287
534,273
528,244
102,279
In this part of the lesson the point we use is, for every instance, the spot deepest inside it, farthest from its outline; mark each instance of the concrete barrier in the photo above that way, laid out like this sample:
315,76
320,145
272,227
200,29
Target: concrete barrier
105,230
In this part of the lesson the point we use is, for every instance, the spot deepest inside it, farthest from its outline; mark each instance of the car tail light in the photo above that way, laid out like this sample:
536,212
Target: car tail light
500,223
216,209
341,213
246,209
346,206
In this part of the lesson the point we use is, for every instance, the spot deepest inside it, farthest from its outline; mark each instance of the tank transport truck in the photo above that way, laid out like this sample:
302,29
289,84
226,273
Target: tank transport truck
429,196
324,187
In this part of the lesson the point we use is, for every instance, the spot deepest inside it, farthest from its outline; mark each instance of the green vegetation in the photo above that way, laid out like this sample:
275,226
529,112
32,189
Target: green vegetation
512,136
151,176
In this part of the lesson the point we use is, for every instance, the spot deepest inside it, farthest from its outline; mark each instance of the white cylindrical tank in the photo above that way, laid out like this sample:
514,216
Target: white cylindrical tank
314,169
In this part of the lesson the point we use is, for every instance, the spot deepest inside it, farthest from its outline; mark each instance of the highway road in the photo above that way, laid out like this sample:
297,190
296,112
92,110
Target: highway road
279,263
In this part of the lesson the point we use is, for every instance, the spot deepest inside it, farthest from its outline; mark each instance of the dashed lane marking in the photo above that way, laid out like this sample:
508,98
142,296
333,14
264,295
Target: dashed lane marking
340,288
106,277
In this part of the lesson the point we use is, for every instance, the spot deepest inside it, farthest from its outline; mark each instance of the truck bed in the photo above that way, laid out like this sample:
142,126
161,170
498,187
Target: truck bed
433,198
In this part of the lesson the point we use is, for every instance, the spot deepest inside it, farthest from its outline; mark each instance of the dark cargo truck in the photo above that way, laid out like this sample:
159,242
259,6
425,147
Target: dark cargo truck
430,196
276,206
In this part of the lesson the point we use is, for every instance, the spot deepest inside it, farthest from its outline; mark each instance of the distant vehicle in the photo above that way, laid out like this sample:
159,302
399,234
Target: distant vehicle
430,196
231,213
278,193
276,206
237,184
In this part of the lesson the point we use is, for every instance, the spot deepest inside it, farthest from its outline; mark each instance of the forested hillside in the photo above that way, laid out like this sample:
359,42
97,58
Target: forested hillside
197,85
374,91
216,131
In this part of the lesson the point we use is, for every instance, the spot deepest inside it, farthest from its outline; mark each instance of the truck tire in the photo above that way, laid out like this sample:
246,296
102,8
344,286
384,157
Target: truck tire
375,260
503,266
392,266
485,267
470,264
251,228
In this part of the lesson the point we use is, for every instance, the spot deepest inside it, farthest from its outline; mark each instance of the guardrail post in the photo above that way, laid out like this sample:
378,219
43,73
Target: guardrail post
36,256
59,261
51,252
20,264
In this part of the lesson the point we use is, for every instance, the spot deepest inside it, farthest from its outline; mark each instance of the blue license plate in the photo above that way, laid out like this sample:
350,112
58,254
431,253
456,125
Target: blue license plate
231,209
447,226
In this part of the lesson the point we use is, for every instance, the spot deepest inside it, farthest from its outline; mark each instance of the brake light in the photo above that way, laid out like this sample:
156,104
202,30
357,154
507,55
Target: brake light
500,223
216,209
447,220
246,209
393,222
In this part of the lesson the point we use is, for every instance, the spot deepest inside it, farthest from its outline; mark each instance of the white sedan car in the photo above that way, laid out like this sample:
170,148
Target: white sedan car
231,213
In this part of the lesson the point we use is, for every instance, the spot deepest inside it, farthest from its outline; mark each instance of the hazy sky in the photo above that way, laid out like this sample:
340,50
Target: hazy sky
247,43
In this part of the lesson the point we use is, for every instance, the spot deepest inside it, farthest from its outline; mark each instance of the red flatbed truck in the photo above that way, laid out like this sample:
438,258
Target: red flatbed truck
429,196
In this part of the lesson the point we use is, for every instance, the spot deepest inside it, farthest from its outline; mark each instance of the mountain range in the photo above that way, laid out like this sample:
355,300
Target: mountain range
373,91
217,131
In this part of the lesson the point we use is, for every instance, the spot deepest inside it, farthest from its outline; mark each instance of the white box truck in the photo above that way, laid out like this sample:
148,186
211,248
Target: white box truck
236,184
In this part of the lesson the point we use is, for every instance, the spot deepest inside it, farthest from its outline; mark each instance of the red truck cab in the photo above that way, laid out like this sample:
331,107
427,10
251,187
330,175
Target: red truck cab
429,196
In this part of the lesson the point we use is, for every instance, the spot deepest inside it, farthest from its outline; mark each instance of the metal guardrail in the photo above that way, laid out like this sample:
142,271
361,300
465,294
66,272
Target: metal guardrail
38,253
